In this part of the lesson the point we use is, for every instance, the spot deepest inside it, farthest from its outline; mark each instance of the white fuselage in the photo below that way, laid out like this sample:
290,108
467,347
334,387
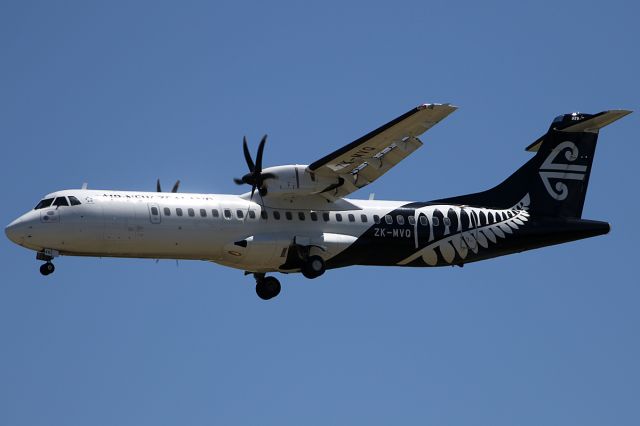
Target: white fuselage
193,226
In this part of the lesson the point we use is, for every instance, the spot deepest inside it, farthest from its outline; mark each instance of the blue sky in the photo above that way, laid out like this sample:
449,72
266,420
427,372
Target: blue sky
117,94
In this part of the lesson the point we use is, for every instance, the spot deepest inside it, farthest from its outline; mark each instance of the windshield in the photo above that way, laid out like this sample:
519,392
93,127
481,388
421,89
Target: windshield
44,203
60,201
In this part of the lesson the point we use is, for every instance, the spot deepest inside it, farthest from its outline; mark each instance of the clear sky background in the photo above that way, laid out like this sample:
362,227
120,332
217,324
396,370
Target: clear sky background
117,94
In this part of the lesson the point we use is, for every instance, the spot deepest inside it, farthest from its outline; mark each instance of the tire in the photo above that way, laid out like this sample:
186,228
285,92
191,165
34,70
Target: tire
268,288
313,267
261,290
47,268
273,285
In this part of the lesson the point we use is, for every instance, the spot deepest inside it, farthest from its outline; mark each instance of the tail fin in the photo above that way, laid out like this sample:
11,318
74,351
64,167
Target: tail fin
556,178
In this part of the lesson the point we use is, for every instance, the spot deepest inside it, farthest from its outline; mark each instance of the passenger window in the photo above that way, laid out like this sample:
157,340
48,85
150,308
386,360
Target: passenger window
325,216
154,211
435,221
203,213
423,221
352,218
179,211
60,201
191,212
227,214
314,216
264,215
240,213
400,219
446,221
338,217
252,214
215,213
74,201
276,215
44,203
376,219
412,220
363,218
167,211
388,219
301,215
288,215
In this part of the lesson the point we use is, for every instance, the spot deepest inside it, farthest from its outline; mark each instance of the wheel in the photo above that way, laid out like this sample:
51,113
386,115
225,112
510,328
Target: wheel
267,288
47,268
313,267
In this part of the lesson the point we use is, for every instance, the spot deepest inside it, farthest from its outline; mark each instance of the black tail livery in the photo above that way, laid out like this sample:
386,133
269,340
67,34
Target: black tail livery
556,178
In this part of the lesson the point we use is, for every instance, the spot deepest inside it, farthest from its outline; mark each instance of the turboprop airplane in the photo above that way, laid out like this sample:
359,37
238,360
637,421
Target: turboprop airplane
296,218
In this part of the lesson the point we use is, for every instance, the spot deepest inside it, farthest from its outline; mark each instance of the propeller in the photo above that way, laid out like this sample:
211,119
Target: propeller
174,189
255,177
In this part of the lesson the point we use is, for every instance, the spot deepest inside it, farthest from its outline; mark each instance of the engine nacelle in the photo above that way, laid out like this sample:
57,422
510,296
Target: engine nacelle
296,180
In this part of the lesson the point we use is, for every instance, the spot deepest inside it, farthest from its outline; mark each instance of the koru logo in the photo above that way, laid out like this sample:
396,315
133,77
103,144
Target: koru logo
561,171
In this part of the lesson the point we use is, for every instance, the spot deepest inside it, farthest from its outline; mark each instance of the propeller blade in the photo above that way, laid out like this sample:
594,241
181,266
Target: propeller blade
247,155
253,189
158,188
176,186
238,181
265,176
259,155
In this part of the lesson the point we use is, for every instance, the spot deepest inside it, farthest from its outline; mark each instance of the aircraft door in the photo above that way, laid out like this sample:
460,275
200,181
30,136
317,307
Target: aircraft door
154,213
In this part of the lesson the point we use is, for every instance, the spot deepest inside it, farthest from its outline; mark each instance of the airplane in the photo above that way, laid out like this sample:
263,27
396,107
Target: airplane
297,219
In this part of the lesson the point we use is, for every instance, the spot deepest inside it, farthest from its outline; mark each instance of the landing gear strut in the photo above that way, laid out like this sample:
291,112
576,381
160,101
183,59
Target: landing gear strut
47,268
267,287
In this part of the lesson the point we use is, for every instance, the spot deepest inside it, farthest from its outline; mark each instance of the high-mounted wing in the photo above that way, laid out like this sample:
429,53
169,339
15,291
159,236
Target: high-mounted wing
369,157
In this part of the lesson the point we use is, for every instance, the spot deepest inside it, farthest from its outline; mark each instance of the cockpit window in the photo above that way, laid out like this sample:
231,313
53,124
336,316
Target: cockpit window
60,201
44,203
74,201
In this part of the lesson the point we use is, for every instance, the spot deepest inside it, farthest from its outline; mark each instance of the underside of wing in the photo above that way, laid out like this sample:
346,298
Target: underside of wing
369,157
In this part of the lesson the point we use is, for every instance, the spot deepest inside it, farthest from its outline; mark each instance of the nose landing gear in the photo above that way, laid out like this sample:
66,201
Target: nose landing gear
267,287
47,255
47,268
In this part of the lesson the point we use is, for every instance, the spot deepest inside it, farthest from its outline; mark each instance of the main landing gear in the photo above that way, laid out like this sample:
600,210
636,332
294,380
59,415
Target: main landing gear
267,287
312,267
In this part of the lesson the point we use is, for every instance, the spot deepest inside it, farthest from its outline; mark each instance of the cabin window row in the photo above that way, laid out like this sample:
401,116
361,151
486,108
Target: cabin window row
313,216
275,214
215,213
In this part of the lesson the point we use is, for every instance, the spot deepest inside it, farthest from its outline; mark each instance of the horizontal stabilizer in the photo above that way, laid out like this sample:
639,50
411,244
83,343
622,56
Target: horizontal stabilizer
577,122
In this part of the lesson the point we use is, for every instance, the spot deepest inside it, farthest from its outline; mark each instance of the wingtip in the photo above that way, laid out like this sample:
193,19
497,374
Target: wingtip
434,105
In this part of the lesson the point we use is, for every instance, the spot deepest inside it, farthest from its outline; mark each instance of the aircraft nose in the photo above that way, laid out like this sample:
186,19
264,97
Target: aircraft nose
16,231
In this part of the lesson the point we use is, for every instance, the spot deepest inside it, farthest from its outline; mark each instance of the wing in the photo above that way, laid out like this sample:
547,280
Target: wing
366,159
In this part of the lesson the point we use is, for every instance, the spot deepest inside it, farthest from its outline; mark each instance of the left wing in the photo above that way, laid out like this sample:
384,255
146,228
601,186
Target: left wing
366,159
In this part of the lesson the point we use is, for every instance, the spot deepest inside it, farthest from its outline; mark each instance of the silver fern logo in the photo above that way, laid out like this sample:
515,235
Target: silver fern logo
486,226
561,171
